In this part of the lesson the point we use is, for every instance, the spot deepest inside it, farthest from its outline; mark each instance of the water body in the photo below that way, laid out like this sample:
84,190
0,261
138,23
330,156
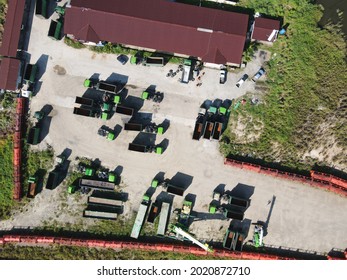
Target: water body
331,8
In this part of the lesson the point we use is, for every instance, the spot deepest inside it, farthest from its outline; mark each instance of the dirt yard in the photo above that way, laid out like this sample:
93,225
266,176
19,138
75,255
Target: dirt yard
297,215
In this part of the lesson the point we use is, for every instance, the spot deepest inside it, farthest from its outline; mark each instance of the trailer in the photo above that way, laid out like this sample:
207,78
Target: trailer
97,184
105,201
84,101
230,238
55,28
83,112
163,218
133,126
198,129
100,214
174,189
241,202
32,186
31,72
41,9
153,61
239,241
233,212
108,87
145,149
140,217
124,110
153,213
217,130
34,135
208,130
53,180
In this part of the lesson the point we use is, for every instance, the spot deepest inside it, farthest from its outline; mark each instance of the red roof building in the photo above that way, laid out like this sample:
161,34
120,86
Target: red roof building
9,72
265,29
12,27
211,35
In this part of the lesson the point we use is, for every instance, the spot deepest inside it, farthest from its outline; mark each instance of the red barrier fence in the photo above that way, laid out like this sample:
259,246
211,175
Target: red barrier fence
93,243
321,180
17,151
96,243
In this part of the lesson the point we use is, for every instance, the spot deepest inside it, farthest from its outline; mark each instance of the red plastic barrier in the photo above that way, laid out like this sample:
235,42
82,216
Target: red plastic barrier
28,239
43,239
317,179
340,182
1,241
253,167
113,244
11,238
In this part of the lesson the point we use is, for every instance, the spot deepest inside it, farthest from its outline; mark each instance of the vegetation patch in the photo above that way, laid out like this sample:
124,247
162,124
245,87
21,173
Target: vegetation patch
6,176
56,252
304,108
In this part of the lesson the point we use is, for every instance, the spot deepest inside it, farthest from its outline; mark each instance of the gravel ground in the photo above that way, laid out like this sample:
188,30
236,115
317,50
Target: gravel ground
301,216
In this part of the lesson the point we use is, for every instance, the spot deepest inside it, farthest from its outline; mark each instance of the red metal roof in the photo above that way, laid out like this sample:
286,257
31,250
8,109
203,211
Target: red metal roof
9,69
263,28
12,27
215,36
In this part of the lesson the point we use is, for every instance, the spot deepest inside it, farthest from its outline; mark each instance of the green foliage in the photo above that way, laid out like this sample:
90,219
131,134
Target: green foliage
6,176
39,160
73,43
306,77
114,49
55,252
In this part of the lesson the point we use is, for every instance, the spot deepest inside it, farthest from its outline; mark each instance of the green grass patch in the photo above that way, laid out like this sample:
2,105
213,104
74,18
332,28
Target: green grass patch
6,176
306,80
73,43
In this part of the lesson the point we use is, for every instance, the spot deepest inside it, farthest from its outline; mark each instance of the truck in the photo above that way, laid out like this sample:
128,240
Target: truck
163,218
140,217
124,110
31,72
156,96
97,184
83,112
217,130
113,88
153,61
84,101
34,135
55,28
42,8
150,128
106,132
208,130
53,180
187,67
32,186
153,212
145,149
184,215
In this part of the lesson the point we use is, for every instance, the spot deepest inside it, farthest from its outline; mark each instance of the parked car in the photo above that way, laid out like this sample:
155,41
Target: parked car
260,73
222,77
122,58
242,80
